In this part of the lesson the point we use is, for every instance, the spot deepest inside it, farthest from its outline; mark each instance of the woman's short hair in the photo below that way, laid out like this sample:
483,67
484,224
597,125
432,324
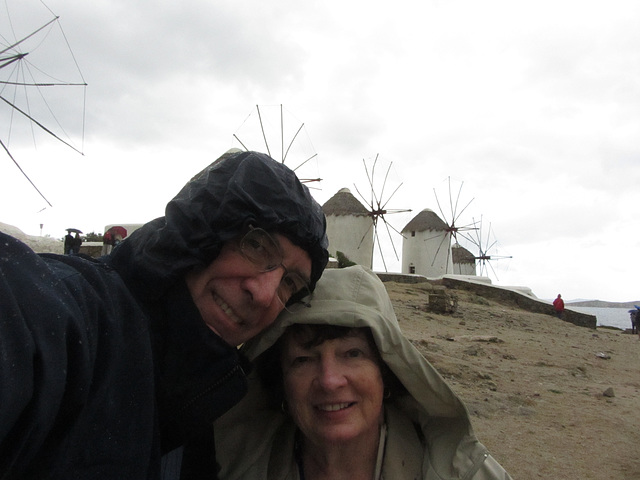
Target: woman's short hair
269,367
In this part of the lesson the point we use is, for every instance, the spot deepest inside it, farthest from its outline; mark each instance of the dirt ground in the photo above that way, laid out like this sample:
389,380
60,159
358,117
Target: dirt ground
549,399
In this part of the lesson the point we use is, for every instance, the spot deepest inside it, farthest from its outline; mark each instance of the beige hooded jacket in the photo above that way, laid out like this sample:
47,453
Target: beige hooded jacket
429,434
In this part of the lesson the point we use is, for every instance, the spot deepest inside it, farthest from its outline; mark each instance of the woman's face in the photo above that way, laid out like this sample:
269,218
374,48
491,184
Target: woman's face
334,390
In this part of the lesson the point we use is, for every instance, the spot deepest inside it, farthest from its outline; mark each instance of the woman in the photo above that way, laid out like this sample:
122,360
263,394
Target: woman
360,398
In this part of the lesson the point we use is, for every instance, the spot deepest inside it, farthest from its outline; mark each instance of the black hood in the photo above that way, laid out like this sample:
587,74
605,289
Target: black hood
214,207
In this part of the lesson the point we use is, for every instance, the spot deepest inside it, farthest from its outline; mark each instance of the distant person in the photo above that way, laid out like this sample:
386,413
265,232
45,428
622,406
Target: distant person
77,243
116,368
68,243
345,395
111,238
107,243
633,314
558,306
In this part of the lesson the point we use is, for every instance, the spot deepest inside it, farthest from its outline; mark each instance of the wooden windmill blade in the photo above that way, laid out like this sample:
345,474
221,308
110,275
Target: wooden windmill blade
454,229
37,71
453,220
281,136
486,244
377,205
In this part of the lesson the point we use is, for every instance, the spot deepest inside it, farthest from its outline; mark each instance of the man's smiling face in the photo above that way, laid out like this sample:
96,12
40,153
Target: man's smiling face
235,299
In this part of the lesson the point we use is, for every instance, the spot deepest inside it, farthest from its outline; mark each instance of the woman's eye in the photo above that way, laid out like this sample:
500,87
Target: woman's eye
354,353
299,360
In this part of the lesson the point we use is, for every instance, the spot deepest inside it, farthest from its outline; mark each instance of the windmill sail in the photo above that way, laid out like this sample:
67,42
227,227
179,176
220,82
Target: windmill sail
377,204
273,130
31,65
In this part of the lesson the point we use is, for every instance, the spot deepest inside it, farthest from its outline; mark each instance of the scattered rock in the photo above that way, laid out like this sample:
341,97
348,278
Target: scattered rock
579,371
525,411
486,338
476,338
603,355
609,393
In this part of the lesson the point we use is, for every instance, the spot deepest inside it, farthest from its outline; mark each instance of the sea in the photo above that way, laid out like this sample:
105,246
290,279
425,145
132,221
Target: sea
607,317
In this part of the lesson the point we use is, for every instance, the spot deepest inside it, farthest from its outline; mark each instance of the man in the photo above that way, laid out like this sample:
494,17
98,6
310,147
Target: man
107,365
68,243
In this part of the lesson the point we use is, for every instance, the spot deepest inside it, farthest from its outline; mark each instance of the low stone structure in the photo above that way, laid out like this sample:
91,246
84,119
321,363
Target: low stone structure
517,298
401,277
93,249
520,297
442,301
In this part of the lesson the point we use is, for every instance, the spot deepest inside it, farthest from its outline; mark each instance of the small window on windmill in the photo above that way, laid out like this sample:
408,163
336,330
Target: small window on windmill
413,233
412,269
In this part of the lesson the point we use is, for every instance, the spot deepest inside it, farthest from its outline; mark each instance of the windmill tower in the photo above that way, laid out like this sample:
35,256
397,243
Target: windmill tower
349,228
426,246
464,262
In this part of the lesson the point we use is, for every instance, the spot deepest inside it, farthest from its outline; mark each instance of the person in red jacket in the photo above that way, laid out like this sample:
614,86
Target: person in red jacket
558,306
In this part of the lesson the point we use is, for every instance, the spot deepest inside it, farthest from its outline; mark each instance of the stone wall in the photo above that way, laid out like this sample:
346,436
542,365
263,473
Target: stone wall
525,302
501,294
401,278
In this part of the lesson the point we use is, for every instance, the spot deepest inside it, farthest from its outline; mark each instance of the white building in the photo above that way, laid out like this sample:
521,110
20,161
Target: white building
349,228
464,262
426,246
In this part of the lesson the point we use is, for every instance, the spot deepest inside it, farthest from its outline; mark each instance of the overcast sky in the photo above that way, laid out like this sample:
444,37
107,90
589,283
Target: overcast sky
533,107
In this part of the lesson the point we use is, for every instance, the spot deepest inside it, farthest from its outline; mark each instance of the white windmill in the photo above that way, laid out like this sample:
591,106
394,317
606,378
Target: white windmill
349,228
428,238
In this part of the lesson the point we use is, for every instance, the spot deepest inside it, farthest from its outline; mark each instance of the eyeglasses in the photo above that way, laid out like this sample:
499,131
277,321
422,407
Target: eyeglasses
263,251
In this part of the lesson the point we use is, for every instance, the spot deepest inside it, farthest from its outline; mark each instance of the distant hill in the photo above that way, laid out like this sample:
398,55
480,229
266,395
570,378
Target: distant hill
602,304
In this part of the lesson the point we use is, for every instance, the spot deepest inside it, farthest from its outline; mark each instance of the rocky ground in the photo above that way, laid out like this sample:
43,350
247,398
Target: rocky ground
548,398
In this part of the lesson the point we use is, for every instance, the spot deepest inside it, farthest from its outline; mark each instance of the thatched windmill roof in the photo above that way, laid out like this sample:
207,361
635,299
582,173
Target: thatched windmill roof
462,255
425,220
344,203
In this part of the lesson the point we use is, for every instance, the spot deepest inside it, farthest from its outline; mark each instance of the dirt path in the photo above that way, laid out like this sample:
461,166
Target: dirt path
535,385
